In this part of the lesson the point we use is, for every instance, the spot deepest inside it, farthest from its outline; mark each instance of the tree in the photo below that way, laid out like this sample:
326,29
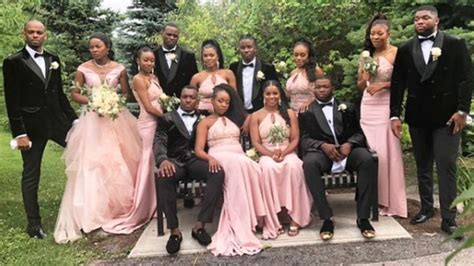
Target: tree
70,24
145,18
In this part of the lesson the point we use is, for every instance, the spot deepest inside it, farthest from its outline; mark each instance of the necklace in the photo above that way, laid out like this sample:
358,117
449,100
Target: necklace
100,66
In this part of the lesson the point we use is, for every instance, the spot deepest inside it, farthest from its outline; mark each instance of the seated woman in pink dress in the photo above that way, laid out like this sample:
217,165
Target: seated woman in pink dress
284,186
243,202
375,121
300,84
212,74
101,157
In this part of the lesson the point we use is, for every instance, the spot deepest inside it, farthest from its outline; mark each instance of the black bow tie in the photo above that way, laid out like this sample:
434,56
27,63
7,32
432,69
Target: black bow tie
192,114
431,38
325,104
247,65
169,51
38,55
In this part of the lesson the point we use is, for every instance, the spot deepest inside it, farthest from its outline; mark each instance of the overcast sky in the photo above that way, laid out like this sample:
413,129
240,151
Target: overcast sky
117,5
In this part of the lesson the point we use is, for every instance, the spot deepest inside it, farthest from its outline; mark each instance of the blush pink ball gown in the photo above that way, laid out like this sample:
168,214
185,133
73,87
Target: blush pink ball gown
375,122
102,159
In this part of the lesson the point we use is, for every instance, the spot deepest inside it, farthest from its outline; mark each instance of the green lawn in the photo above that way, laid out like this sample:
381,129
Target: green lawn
15,246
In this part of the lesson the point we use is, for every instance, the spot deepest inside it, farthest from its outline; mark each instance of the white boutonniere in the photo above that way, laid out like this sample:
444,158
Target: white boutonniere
260,75
54,65
435,52
172,57
201,117
342,107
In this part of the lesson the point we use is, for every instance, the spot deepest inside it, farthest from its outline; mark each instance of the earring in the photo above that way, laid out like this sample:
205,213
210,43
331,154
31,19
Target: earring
152,71
279,102
264,102
217,64
138,68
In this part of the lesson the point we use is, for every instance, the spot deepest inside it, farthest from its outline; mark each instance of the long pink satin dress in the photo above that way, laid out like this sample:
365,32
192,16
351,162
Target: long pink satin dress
101,158
283,183
375,122
144,197
205,91
243,202
300,91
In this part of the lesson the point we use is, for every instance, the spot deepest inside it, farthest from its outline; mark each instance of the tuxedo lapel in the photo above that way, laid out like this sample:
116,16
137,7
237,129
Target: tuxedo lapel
432,64
321,119
32,65
180,124
239,79
47,60
338,121
417,55
163,64
174,64
256,83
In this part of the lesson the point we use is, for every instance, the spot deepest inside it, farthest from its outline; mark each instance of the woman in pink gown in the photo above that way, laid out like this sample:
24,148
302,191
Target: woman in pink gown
300,85
283,183
101,157
243,202
213,74
375,120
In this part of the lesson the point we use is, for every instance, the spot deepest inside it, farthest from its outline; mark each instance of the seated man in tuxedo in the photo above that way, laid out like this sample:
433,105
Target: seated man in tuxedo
174,153
332,140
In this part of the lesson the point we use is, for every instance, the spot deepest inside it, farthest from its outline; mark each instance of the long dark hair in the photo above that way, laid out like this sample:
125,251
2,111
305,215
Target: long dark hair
311,65
283,107
106,40
236,112
378,19
211,43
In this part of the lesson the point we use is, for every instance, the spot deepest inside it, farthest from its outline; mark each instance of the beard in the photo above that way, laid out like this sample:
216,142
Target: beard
427,32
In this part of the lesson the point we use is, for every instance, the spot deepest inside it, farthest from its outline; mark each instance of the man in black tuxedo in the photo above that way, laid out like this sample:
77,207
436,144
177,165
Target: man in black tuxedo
248,73
331,139
38,110
174,153
436,69
174,65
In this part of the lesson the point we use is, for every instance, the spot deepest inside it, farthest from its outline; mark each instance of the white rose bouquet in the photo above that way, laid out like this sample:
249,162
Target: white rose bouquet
104,100
368,63
278,134
253,154
168,103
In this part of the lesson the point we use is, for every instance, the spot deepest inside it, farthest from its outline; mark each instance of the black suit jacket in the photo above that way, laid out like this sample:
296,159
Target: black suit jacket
435,90
36,106
173,79
257,95
172,140
315,129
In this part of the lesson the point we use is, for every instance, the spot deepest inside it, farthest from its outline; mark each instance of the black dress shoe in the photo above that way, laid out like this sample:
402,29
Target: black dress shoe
449,227
201,236
188,203
327,230
366,229
422,216
174,244
36,231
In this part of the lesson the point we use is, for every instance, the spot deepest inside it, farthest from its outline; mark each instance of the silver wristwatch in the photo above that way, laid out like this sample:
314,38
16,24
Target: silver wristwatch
462,113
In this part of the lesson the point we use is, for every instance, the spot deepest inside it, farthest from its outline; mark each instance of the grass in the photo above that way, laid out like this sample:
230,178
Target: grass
15,246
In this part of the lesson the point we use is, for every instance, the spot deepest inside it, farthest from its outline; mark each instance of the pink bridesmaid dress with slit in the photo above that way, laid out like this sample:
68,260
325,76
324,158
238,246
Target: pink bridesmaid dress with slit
375,122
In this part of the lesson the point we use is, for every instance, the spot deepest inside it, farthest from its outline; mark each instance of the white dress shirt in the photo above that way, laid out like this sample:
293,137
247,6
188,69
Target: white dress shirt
167,55
38,60
188,120
426,47
337,167
247,83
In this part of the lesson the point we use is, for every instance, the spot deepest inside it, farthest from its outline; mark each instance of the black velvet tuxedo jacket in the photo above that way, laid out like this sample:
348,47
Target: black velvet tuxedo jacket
315,129
172,140
435,90
257,94
36,106
173,79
